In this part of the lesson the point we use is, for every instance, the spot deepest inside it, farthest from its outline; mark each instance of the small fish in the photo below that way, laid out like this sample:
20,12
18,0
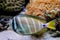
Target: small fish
28,24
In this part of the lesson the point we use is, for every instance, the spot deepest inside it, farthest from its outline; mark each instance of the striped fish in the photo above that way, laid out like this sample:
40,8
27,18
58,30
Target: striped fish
28,24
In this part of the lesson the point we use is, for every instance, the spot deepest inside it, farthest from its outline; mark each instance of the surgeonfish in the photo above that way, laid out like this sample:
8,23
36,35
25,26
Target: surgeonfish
28,24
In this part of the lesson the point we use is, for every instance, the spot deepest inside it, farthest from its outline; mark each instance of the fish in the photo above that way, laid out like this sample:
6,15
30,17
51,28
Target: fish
29,24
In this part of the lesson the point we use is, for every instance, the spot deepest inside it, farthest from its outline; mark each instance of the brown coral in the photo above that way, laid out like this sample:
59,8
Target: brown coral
39,7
